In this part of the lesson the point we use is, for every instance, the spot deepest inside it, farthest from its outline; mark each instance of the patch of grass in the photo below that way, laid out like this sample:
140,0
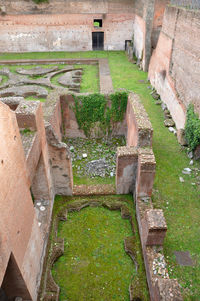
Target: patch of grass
95,265
35,98
90,78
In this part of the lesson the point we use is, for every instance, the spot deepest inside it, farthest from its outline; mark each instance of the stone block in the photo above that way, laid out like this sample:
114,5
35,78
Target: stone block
145,172
26,114
155,227
181,137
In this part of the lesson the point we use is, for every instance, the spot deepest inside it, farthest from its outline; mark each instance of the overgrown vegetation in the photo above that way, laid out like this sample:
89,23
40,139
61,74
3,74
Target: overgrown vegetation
192,128
95,108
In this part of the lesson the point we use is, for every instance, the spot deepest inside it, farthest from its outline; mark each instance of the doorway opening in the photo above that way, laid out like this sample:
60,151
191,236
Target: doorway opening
98,40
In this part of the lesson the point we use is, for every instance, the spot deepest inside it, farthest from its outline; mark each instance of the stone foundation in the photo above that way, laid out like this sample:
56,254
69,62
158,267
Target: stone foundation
43,167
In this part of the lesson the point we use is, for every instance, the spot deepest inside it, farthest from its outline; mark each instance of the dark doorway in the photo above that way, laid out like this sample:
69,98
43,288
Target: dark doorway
98,40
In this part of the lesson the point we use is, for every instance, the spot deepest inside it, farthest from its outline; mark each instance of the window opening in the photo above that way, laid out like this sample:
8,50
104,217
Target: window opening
98,23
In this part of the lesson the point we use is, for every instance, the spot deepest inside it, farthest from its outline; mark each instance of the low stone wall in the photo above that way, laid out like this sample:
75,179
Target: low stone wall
135,173
139,128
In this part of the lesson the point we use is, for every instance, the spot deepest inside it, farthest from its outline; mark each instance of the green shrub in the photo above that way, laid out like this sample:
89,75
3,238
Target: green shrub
40,1
192,128
95,108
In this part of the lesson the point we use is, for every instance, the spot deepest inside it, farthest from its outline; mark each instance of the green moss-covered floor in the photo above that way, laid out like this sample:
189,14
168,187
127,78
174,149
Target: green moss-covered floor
95,265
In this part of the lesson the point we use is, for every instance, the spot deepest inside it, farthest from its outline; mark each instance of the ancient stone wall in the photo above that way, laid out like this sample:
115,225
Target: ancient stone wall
28,161
20,234
147,26
66,32
64,25
69,6
174,67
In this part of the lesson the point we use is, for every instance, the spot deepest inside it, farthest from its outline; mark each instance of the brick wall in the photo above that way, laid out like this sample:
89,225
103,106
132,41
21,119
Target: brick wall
64,32
174,67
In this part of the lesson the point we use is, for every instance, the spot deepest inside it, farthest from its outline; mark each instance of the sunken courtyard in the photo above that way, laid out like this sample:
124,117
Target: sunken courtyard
99,150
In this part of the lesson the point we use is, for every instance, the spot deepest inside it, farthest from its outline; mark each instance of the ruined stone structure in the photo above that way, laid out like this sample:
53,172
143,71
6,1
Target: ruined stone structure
36,165
40,165
66,25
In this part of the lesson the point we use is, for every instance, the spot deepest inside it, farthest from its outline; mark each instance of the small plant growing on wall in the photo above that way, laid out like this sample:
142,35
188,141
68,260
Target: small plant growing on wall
192,128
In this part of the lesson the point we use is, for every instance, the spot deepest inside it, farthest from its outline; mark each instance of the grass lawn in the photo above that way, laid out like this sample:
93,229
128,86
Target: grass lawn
94,265
180,201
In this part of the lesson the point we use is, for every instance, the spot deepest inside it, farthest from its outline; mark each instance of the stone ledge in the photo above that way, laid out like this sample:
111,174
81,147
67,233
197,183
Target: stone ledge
168,290
125,151
155,219
141,116
146,156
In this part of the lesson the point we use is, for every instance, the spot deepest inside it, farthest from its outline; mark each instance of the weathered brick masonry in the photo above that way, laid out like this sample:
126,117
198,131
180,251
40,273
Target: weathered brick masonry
174,68
65,25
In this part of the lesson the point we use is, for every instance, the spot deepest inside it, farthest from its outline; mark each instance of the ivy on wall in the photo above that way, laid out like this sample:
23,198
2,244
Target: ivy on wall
192,128
96,108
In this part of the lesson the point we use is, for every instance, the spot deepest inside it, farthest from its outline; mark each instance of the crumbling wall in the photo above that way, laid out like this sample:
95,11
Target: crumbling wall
174,67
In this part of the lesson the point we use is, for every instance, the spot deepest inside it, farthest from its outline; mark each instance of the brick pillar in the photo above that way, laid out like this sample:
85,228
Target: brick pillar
155,227
145,173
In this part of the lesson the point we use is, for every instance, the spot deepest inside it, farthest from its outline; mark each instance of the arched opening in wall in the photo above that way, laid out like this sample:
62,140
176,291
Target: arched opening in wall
13,284
98,40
